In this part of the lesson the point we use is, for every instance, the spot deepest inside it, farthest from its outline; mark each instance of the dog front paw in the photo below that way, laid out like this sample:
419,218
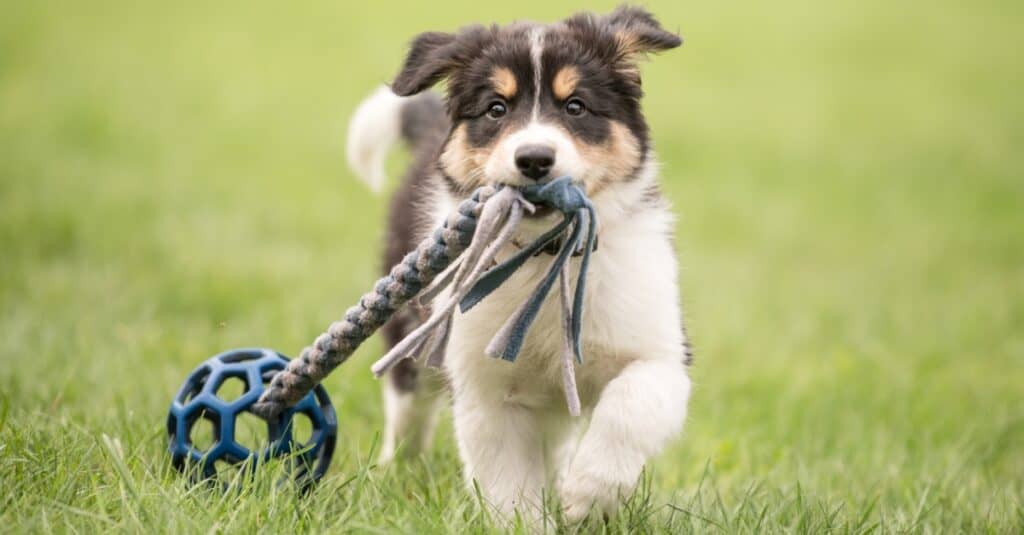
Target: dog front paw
597,488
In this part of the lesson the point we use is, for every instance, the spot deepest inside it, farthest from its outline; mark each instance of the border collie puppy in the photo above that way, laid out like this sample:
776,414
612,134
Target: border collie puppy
528,103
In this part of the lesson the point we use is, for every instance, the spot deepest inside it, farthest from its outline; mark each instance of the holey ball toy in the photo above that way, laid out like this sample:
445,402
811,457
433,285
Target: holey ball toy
209,403
460,257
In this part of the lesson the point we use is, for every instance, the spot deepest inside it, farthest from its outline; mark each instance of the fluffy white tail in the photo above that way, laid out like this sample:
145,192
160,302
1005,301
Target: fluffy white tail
374,129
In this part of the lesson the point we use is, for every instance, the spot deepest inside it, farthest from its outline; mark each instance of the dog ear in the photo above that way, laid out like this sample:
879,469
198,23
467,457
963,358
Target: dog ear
430,58
637,32
435,56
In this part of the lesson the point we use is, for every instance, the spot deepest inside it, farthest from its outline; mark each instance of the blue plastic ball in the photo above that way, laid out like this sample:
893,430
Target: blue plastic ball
198,399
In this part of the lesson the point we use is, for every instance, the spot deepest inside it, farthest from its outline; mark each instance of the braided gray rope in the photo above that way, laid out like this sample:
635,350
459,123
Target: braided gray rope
417,270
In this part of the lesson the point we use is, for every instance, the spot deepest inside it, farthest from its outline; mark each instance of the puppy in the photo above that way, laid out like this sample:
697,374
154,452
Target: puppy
528,103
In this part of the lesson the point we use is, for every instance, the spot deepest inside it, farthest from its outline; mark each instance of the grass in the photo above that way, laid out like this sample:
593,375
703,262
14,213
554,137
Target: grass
849,182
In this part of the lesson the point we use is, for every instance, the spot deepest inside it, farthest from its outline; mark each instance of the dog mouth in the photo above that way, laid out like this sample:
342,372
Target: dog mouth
541,211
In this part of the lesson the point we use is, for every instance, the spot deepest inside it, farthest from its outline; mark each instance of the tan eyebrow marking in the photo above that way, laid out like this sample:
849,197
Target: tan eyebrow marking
565,82
504,82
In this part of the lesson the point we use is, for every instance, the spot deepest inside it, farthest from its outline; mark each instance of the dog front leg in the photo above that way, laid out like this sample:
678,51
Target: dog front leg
502,451
637,413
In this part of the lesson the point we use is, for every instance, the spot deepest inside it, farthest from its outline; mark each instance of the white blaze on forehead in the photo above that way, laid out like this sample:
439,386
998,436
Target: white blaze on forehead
536,49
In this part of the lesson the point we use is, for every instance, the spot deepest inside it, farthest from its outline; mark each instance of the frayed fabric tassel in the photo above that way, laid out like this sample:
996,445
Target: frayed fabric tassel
509,340
507,343
580,216
569,354
457,257
435,355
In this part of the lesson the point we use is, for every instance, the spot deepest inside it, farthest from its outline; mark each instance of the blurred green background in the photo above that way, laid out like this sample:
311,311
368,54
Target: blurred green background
849,182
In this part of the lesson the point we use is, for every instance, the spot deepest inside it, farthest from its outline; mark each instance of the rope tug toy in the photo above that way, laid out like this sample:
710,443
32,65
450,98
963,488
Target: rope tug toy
459,251
457,256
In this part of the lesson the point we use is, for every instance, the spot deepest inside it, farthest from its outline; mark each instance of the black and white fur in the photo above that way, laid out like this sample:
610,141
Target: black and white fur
528,102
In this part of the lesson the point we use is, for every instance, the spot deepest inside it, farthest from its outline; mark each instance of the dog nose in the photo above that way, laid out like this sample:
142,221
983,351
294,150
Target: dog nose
535,161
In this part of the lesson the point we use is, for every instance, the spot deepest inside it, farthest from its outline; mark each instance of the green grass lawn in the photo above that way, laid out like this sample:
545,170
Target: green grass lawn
850,188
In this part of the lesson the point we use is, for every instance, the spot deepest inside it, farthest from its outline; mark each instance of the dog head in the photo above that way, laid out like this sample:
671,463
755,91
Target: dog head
531,102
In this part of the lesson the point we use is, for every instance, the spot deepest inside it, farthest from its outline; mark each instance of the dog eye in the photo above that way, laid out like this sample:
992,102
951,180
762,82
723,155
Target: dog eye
575,107
497,110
